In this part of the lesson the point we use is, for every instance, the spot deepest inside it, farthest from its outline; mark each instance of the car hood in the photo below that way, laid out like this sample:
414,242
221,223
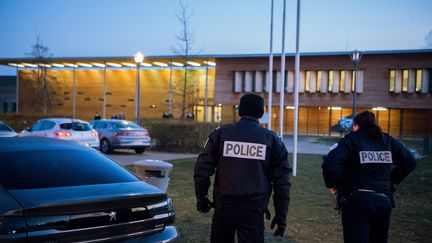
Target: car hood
88,198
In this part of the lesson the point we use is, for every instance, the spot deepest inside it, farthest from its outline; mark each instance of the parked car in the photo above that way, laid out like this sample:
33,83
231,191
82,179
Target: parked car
116,134
6,131
65,191
64,128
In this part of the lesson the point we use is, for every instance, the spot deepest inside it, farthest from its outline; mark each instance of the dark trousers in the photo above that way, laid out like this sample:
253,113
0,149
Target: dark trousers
366,218
249,225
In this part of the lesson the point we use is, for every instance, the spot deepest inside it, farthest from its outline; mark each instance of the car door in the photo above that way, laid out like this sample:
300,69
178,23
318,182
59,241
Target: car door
33,131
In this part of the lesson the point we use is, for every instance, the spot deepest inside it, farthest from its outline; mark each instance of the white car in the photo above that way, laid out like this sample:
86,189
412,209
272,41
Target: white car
64,128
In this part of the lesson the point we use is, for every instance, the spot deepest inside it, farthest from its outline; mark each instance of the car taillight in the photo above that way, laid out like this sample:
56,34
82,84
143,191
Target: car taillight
63,134
121,133
94,134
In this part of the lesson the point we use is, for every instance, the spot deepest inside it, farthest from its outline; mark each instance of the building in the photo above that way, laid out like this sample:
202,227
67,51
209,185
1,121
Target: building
7,94
395,85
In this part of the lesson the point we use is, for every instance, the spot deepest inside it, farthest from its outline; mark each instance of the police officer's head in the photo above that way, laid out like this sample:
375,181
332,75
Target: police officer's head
366,120
251,105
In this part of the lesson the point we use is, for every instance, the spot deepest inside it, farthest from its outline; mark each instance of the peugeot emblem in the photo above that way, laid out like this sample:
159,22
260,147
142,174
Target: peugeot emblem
113,216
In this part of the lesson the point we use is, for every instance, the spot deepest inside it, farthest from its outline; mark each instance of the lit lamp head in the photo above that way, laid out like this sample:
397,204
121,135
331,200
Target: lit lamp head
356,56
139,57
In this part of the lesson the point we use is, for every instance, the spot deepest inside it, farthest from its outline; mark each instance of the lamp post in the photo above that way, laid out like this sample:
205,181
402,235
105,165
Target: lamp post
139,57
355,58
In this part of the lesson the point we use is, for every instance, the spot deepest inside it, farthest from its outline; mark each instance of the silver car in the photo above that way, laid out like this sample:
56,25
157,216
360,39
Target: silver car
116,134
6,131
64,128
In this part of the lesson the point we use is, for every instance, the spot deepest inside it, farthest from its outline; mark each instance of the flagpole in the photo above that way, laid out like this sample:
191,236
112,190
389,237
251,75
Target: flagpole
296,89
270,92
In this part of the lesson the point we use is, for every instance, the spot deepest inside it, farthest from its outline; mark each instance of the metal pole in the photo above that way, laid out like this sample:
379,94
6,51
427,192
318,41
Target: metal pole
137,98
104,94
282,82
17,91
206,93
296,89
74,92
170,90
270,93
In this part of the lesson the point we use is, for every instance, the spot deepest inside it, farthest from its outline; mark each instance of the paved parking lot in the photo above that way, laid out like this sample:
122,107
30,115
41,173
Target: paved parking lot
306,145
126,157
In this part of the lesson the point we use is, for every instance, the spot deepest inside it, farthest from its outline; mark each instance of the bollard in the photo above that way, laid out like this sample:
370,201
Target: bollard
154,172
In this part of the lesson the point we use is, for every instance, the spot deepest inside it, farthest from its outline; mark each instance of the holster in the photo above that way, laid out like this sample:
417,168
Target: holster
344,197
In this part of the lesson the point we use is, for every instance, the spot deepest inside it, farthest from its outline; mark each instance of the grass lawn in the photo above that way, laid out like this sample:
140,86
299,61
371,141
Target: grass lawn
311,217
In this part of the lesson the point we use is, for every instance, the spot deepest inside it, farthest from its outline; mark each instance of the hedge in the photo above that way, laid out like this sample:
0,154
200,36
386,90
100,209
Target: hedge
178,135
169,135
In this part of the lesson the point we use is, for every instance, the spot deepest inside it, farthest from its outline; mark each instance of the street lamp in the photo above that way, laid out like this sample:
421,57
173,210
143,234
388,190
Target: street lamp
355,58
139,57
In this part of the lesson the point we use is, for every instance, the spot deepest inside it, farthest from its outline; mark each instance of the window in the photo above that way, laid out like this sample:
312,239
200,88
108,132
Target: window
307,81
46,125
418,80
5,107
405,80
13,107
342,81
318,82
354,79
37,126
330,81
392,80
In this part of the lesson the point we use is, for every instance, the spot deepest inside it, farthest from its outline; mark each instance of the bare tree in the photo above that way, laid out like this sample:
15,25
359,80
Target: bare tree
42,98
428,39
183,47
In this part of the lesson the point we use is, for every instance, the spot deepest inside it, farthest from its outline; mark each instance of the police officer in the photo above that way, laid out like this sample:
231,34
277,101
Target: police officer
359,169
249,162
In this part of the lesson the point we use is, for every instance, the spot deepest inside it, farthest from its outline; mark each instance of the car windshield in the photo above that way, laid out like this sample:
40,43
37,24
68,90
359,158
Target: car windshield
124,124
76,126
3,127
59,168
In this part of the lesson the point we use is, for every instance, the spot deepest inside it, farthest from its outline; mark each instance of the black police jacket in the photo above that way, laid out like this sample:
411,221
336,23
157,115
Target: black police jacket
359,162
249,162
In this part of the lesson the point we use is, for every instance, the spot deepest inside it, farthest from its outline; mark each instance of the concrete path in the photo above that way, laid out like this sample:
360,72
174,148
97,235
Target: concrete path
126,157
306,145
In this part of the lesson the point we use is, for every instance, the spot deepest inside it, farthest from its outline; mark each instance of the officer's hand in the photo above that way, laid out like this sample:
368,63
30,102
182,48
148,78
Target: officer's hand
281,225
204,205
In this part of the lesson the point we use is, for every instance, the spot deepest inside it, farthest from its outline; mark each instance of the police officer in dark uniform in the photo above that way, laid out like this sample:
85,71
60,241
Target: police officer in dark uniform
249,162
359,169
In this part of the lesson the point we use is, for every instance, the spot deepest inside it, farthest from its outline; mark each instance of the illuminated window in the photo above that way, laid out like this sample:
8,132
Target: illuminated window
353,77
307,81
330,81
318,82
392,80
342,81
405,80
418,82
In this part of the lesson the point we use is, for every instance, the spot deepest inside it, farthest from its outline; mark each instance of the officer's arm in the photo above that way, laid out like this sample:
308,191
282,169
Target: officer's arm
403,160
333,163
205,166
281,179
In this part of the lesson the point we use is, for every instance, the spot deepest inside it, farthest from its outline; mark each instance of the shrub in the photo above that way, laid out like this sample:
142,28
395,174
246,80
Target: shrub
19,122
177,135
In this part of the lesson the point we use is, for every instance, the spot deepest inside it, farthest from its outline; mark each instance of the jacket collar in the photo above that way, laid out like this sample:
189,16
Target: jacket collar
249,118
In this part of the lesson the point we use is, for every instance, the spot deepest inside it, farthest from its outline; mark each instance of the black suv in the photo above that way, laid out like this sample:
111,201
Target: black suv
60,191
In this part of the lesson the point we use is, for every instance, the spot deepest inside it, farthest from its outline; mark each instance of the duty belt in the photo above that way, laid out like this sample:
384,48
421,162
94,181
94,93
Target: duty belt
372,192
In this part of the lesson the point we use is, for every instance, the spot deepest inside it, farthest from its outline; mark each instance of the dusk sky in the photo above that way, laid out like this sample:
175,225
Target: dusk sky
90,28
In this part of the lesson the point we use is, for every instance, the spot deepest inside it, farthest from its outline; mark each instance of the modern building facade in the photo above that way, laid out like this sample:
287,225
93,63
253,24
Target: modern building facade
395,85
7,94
